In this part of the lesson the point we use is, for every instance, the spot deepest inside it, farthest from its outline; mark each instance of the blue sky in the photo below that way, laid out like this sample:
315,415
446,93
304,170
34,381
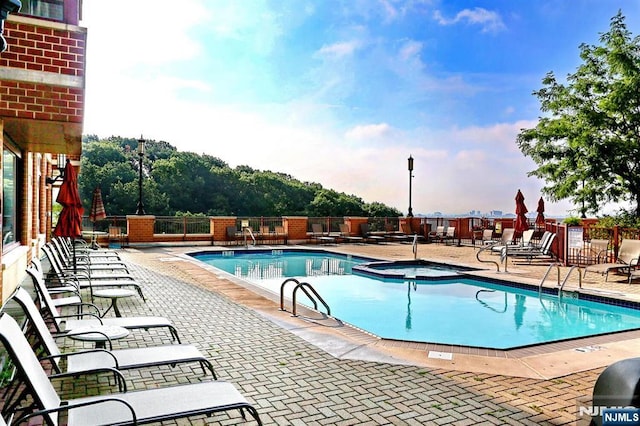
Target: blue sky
341,92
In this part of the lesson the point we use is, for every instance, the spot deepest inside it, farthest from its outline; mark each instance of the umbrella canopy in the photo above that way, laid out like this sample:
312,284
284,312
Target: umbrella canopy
521,224
540,210
70,220
97,207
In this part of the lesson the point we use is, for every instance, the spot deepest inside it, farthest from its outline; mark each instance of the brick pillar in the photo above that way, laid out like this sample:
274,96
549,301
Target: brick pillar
140,228
295,227
354,224
218,227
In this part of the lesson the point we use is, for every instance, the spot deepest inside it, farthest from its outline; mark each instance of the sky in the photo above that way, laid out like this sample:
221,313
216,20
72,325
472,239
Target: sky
342,92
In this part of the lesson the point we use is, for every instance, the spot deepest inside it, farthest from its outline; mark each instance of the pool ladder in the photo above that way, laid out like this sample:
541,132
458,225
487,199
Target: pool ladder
566,278
307,289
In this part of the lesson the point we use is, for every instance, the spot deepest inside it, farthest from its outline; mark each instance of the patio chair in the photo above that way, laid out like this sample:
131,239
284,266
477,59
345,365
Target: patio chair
437,235
410,233
280,234
449,235
318,234
144,406
101,360
596,251
487,237
232,235
90,281
628,255
368,235
66,323
345,234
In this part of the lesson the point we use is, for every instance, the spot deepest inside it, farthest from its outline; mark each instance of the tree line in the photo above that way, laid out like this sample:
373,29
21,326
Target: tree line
185,183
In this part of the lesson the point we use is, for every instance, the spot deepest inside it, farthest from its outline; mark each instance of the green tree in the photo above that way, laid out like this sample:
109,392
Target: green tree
587,146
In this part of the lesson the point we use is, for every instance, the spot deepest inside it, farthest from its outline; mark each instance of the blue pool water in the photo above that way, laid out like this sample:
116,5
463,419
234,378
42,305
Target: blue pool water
454,309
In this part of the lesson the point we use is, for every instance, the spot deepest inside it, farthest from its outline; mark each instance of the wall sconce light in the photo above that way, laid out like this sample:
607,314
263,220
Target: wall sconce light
6,7
60,165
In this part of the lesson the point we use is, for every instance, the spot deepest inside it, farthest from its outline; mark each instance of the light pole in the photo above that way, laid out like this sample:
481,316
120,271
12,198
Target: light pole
141,142
410,165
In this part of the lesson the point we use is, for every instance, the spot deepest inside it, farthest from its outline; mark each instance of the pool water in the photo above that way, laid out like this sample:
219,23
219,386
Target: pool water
455,310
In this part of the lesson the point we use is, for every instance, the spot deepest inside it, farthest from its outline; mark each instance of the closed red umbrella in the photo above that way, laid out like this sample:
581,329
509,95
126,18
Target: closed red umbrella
97,207
521,211
540,210
70,220
97,213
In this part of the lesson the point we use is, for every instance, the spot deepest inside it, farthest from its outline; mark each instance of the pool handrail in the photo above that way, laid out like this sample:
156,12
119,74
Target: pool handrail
302,286
487,247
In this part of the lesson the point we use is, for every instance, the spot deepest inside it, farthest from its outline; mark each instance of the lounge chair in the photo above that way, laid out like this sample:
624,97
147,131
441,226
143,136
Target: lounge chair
135,407
98,360
345,234
90,281
318,234
505,240
85,262
410,233
533,252
628,255
368,235
65,323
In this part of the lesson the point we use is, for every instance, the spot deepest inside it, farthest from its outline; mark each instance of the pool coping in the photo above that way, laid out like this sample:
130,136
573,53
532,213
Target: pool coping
344,341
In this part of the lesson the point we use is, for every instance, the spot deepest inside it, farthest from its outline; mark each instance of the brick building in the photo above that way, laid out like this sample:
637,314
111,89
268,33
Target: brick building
42,88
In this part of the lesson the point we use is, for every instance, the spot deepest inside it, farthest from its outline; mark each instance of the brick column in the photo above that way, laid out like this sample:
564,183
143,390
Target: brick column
295,227
218,227
140,228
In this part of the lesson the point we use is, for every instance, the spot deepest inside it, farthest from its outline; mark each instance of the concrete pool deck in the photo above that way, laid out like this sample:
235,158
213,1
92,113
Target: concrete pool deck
315,371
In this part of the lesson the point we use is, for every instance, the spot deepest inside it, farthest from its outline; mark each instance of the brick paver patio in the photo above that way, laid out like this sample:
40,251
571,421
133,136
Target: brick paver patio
293,382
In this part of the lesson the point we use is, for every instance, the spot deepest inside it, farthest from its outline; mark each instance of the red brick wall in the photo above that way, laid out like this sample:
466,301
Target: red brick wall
49,50
40,48
295,227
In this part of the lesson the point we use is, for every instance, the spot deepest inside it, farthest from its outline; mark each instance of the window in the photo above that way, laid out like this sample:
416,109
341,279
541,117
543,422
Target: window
10,163
50,9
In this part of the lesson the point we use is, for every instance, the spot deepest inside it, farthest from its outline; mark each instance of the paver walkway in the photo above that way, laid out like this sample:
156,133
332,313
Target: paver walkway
292,382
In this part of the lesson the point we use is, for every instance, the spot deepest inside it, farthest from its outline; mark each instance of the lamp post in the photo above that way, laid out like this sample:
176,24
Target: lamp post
141,142
410,166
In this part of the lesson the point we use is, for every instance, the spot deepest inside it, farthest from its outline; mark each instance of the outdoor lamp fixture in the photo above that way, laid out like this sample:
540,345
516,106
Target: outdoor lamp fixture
141,143
61,162
410,166
6,7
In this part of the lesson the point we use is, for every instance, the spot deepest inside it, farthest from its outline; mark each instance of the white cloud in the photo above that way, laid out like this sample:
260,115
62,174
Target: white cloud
410,50
368,131
488,20
339,50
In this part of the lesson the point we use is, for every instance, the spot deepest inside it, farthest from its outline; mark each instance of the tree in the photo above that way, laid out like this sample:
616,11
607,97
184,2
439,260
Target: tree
587,148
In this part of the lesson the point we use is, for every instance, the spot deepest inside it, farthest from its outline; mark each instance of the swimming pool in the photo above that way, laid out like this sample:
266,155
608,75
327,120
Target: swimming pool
454,309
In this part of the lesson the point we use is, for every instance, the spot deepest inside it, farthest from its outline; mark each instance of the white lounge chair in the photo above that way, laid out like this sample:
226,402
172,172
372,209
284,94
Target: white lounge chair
90,281
98,360
135,407
628,255
65,323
